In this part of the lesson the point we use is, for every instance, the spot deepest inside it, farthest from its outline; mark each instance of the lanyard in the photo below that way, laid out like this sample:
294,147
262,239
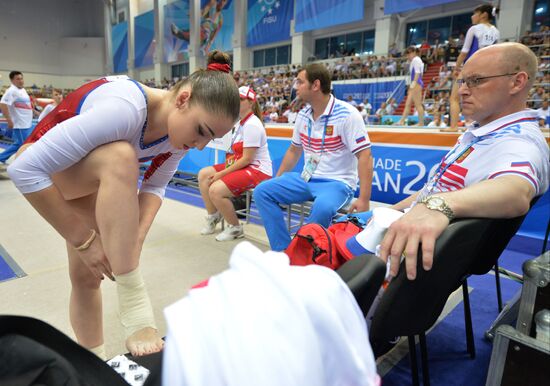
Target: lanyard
324,129
234,135
440,171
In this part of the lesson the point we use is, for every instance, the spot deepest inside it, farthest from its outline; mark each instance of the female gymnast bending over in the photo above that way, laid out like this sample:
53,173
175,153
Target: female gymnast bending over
80,167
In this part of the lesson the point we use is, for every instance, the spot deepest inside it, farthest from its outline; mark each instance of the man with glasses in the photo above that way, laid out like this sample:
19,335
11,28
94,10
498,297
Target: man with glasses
496,167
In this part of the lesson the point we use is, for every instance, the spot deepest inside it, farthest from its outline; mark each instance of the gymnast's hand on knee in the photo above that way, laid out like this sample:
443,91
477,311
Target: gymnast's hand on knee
95,259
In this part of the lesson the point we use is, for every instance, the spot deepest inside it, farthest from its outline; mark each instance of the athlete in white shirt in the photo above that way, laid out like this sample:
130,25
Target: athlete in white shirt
437,121
481,34
247,163
16,107
497,166
332,137
57,96
80,171
414,96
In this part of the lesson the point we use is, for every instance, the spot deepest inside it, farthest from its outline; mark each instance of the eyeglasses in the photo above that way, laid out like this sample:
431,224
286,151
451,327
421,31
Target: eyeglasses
475,81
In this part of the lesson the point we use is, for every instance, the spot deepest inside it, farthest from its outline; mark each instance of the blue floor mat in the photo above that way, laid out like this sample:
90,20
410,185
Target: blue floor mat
8,268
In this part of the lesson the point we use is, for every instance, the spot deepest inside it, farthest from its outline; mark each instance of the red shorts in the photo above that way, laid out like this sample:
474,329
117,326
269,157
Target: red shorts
241,180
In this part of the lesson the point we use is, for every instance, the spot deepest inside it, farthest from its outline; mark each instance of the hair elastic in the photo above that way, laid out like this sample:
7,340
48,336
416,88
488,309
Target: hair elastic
219,67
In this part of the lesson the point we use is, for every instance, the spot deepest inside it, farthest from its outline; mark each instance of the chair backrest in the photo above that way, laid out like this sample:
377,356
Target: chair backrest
467,246
364,275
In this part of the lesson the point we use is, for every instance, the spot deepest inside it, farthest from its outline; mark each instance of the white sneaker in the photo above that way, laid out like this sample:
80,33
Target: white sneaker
211,221
231,232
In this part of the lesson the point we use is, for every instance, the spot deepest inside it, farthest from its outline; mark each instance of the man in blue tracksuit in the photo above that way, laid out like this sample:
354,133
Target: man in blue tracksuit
336,147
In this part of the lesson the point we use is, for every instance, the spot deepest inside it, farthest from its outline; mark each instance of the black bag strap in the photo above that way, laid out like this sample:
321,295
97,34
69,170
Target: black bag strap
317,250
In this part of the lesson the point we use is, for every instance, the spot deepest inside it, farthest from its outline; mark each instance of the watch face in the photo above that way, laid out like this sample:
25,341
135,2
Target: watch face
435,201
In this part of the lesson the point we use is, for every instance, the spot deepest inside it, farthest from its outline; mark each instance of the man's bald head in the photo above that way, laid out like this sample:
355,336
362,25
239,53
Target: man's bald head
500,77
512,58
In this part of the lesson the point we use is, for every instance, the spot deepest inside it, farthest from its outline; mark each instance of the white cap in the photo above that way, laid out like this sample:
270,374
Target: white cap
247,93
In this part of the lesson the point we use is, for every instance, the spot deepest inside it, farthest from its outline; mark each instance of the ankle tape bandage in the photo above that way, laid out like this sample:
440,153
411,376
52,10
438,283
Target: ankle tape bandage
134,305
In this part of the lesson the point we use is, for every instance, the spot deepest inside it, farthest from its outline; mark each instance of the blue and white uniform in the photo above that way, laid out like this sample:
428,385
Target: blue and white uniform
334,138
417,67
103,111
479,36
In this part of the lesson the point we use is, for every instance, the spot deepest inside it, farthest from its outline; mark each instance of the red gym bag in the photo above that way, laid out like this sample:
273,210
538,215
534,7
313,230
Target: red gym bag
314,244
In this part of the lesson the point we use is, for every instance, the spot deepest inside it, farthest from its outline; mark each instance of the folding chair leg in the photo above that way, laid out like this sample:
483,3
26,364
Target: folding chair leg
499,293
424,359
468,321
288,219
414,362
302,213
248,196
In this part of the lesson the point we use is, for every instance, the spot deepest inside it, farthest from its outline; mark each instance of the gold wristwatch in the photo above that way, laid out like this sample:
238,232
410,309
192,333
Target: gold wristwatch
439,204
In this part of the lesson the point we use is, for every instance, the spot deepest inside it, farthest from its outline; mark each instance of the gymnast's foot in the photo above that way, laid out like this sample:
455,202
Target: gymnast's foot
144,342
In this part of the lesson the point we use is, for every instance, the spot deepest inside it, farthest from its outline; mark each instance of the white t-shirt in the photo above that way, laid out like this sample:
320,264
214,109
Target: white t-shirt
433,124
367,107
114,110
251,133
298,326
509,145
479,36
46,111
290,115
19,107
542,113
345,136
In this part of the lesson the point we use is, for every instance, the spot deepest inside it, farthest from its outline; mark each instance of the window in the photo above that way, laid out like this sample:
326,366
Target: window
272,56
345,45
442,29
180,70
321,48
368,42
416,33
353,43
438,29
258,58
541,16
461,24
337,46
283,55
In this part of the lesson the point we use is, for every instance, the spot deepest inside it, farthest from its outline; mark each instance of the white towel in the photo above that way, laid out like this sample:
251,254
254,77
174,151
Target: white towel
263,322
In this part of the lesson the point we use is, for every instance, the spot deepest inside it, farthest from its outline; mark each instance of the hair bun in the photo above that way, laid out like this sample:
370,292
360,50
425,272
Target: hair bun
217,56
218,61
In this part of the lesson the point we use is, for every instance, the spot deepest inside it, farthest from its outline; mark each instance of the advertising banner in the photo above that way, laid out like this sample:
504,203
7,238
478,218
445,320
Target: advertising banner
316,14
176,31
144,36
268,21
119,36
